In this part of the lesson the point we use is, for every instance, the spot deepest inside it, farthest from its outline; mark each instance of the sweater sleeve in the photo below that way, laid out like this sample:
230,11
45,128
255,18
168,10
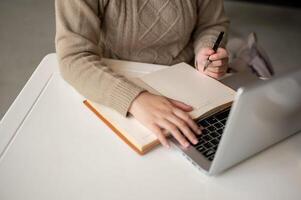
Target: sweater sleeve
211,21
78,26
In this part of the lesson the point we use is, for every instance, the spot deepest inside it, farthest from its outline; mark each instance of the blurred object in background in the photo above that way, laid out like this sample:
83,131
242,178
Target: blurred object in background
248,55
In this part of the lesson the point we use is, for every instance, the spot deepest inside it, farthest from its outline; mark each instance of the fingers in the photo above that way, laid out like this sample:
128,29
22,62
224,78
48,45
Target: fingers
181,105
183,115
160,135
168,116
179,122
215,75
172,128
189,121
217,69
219,59
184,128
220,54
219,65
205,52
202,57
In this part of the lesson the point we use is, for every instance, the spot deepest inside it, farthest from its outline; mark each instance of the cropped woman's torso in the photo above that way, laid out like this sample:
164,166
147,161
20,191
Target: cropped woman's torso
152,31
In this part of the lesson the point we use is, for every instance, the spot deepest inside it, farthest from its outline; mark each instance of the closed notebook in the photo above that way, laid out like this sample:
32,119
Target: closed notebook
180,82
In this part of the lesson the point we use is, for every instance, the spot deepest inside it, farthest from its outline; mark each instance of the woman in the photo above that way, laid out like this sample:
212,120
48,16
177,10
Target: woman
152,31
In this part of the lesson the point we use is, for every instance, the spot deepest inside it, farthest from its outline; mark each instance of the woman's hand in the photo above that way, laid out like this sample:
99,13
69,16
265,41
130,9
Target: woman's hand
159,113
219,65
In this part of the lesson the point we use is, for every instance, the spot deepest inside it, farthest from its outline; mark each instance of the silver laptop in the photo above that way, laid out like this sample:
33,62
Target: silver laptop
263,113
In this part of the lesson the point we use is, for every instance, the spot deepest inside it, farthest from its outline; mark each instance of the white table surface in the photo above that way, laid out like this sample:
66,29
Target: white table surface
53,147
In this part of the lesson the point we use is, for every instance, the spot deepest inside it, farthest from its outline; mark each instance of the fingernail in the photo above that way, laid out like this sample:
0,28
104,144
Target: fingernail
199,131
167,146
186,144
195,141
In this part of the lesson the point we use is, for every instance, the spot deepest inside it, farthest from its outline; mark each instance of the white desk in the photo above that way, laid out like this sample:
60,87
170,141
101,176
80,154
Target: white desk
53,147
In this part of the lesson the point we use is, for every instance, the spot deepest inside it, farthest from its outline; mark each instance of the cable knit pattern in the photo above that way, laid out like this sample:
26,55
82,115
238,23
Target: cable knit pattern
152,31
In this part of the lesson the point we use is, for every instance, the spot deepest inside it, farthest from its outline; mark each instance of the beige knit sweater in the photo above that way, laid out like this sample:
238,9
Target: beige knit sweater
152,31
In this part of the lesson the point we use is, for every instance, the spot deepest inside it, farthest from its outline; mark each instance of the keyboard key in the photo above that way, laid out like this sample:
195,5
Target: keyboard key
207,145
214,134
211,158
203,123
218,125
211,128
206,138
223,121
214,141
201,149
209,153
205,132
211,120
199,136
220,131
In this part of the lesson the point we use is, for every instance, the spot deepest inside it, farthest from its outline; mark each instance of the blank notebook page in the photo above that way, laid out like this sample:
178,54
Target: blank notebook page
133,130
184,83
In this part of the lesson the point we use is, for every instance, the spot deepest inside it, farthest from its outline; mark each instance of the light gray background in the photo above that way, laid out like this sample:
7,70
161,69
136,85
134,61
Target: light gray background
27,30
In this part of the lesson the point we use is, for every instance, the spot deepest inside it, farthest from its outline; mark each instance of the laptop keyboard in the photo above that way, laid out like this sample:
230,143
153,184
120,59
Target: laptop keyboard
212,133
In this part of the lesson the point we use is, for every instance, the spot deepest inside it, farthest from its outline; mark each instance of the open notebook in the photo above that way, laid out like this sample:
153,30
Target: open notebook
181,82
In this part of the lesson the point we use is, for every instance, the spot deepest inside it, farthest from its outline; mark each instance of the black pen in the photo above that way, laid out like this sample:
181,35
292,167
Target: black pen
215,47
